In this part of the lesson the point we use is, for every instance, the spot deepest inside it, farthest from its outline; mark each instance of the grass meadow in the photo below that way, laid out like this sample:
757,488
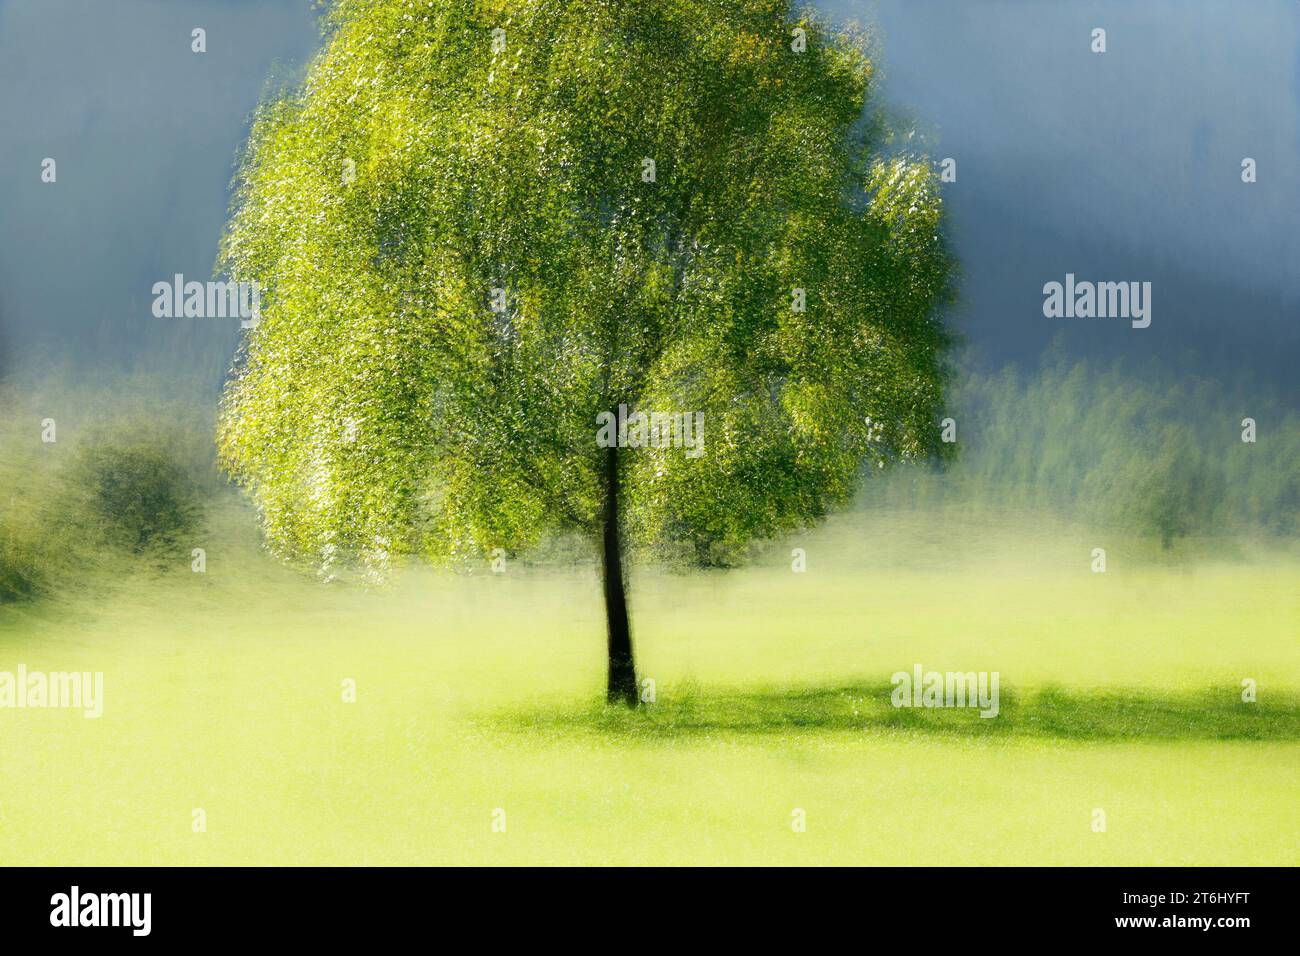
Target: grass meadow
477,692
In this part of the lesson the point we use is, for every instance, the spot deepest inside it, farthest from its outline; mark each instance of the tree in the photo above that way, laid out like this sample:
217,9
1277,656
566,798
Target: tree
1173,492
476,228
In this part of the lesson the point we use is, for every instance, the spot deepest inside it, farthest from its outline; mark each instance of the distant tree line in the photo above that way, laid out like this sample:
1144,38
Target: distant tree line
1145,448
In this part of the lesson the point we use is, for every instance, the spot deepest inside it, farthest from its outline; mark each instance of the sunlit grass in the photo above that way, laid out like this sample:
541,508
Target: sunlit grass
1119,691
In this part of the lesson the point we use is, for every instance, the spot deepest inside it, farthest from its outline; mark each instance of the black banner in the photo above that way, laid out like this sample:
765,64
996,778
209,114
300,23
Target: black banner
334,906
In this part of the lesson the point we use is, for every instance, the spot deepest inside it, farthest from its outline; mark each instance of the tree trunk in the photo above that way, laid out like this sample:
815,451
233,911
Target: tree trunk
621,687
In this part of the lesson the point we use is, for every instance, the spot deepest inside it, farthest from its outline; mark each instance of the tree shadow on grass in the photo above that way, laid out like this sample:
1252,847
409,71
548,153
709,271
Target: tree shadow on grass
1216,713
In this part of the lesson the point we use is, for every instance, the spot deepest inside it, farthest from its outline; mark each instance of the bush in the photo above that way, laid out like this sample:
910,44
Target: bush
121,490
26,487
136,494
22,574
111,504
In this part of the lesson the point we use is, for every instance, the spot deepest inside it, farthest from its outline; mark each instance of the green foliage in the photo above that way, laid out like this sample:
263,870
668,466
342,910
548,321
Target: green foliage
1151,450
135,493
22,561
1177,493
384,407
29,558
122,489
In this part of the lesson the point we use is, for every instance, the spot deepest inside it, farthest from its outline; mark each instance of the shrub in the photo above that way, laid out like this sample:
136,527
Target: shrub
136,494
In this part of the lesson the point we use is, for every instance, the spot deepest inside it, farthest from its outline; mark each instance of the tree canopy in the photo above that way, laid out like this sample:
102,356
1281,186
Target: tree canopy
477,226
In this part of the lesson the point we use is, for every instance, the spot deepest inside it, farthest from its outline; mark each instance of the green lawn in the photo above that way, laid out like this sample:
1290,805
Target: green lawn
1120,691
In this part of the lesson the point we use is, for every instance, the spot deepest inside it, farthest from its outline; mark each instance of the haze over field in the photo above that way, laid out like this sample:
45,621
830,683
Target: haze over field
1120,691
